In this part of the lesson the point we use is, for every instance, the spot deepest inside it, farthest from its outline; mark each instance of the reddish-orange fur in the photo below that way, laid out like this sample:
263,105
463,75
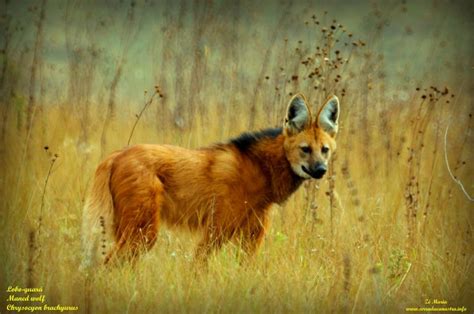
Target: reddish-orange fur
223,191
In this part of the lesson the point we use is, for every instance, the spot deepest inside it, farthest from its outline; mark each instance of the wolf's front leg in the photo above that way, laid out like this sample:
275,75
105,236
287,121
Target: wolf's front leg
253,234
212,242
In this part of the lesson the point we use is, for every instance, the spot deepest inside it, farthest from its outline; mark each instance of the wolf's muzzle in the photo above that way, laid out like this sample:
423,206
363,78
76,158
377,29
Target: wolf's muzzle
316,170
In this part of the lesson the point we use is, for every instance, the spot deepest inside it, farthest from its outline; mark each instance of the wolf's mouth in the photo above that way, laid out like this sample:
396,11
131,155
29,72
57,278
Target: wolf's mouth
306,170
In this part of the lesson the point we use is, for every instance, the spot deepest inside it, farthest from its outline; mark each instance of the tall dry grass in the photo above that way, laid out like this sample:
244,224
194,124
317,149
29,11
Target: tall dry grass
386,229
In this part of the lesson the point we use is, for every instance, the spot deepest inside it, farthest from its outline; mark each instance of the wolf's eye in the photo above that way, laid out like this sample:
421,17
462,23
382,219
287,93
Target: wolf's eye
306,149
324,149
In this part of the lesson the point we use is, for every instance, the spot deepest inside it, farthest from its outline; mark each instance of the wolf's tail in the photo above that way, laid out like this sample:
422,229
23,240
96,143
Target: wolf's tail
98,217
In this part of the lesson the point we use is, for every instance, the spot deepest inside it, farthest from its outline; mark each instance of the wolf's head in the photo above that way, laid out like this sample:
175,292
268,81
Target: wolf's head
309,143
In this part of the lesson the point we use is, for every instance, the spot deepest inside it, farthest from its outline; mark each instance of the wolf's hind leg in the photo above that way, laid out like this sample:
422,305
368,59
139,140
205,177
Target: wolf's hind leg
137,218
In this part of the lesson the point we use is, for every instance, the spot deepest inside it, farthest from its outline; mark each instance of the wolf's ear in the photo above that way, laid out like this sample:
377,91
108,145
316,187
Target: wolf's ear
298,115
328,116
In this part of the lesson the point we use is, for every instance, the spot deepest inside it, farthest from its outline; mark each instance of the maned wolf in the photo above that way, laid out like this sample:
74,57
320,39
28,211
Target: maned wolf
224,191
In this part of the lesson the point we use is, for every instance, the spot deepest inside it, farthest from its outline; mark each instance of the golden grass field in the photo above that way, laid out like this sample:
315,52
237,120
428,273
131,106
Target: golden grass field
387,229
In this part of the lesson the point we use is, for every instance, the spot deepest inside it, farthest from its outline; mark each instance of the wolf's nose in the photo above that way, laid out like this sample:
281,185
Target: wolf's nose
318,171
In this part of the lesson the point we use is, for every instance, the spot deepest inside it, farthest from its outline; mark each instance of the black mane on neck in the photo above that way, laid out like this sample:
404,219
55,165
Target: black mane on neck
244,141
